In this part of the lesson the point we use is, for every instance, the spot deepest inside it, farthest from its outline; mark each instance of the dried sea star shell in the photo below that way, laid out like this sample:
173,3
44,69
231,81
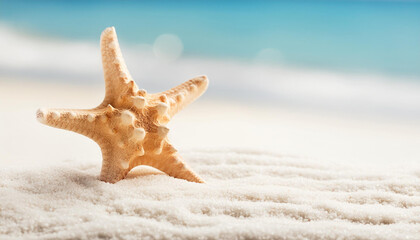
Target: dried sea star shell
129,125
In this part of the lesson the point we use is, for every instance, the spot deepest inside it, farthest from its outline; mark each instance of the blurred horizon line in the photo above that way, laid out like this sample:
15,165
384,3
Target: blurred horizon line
346,36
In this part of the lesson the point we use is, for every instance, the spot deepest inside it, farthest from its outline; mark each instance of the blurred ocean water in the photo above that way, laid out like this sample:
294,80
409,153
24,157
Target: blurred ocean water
355,36
346,55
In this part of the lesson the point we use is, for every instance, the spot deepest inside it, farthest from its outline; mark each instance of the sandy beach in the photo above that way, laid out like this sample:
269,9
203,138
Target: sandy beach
309,126
212,124
248,194
270,172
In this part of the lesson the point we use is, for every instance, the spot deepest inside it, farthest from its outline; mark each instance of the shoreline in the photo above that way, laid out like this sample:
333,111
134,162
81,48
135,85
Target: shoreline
264,83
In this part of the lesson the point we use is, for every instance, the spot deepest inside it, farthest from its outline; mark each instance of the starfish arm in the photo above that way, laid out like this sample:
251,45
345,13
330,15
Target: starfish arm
182,95
118,80
76,120
114,163
173,165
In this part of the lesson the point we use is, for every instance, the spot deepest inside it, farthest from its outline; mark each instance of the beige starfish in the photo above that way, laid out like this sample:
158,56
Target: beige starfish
129,124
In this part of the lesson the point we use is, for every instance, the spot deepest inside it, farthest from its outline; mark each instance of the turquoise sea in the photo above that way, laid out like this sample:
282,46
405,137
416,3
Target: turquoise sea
350,36
351,56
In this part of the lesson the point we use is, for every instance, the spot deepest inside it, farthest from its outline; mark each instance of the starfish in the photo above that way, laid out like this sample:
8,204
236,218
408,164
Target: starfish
129,124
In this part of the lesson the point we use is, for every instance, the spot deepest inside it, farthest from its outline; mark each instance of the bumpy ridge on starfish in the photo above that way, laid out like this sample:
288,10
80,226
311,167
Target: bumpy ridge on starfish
185,93
129,124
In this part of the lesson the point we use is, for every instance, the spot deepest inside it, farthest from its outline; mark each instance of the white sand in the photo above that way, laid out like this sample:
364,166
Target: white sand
359,179
249,195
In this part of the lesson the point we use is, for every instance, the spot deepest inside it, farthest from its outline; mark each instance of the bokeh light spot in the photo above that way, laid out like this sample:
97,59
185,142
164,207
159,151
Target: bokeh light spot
168,47
268,55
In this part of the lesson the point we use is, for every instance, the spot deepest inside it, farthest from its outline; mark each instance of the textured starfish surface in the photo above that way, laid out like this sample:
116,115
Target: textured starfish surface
129,125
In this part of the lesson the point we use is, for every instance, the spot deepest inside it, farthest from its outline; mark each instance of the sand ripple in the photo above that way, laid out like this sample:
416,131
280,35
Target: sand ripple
249,195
